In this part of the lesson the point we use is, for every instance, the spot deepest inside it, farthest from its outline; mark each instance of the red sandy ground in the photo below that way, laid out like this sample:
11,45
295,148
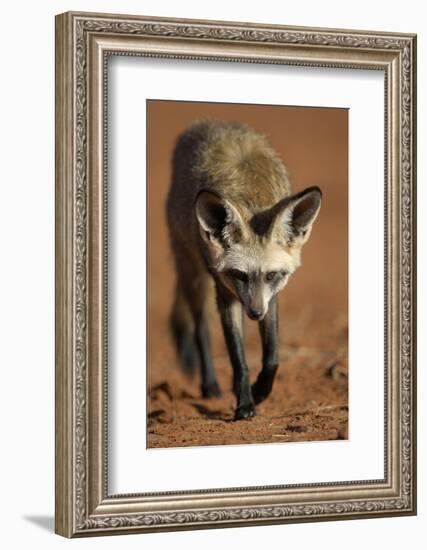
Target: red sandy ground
309,400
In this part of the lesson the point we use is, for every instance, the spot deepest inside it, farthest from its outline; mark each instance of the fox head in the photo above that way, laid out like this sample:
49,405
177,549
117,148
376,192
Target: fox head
254,256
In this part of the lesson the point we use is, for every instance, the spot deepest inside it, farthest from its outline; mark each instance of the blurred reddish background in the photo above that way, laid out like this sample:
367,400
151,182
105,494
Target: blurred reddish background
313,143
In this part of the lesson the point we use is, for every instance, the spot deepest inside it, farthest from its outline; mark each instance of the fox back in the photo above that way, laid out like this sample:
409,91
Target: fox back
231,202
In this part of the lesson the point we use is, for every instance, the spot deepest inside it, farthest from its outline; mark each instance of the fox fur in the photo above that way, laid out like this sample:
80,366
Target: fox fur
237,231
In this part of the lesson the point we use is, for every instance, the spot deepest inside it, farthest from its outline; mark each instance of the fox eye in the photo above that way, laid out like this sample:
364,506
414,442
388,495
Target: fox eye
274,275
271,275
239,275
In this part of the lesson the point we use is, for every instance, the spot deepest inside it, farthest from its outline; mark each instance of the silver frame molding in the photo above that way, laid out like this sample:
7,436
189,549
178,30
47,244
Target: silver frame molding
83,43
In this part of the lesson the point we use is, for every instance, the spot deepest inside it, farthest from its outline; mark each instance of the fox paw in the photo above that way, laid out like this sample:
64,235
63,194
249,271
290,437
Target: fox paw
260,393
245,411
263,386
211,390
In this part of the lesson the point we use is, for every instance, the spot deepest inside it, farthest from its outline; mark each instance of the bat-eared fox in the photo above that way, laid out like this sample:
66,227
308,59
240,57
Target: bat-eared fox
233,222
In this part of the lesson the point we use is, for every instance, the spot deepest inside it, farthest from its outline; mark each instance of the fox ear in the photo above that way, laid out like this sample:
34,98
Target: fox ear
297,213
218,219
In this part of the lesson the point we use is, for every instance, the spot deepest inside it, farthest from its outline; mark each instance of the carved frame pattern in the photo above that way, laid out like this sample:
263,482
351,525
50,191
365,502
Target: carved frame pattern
83,506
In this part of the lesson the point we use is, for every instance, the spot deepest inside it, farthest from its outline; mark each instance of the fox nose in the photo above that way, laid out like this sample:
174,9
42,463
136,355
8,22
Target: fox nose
255,314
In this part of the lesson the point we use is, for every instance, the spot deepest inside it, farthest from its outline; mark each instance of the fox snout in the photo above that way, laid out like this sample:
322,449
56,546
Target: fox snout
255,304
255,314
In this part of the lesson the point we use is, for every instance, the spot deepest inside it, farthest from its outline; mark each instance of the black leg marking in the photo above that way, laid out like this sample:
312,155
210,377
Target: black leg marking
268,329
232,324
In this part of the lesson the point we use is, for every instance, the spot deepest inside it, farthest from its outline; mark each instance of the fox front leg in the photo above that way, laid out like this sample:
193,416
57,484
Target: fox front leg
268,328
232,323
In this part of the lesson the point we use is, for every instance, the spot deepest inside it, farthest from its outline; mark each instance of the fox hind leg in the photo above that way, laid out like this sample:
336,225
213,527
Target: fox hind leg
183,331
210,387
191,332
198,288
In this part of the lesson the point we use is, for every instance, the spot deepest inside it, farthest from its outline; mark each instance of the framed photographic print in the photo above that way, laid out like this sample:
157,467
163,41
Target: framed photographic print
235,274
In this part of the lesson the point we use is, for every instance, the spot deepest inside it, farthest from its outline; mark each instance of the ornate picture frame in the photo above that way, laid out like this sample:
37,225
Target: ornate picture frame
84,506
